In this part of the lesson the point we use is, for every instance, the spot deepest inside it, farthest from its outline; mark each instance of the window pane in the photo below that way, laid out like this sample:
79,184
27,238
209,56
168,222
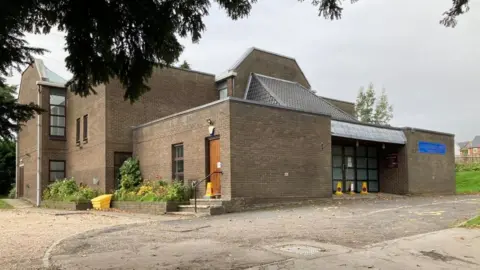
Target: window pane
223,93
349,151
372,151
361,162
361,174
337,150
59,110
349,174
77,132
373,186
359,186
361,151
178,151
372,163
57,131
349,162
57,121
57,176
57,165
57,96
179,166
337,161
372,174
337,174
85,127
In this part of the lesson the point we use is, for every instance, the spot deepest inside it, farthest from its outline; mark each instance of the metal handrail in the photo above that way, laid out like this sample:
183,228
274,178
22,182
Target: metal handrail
195,185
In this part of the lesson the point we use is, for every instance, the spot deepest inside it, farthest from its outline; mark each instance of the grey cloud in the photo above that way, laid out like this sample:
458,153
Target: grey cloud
429,71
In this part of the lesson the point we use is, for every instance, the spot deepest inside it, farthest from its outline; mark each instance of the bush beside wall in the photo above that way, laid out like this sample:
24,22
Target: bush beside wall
467,167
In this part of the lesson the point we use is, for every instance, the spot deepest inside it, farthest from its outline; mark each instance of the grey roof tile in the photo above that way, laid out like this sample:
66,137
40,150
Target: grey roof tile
291,94
476,141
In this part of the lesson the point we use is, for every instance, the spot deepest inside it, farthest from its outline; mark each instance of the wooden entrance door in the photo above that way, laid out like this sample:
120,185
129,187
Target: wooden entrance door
20,182
214,156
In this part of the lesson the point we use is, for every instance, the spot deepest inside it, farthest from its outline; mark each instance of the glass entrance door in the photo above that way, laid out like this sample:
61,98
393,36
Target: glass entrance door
343,167
352,166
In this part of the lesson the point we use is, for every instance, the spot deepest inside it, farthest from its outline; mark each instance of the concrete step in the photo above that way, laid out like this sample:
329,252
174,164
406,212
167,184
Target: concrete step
216,202
202,209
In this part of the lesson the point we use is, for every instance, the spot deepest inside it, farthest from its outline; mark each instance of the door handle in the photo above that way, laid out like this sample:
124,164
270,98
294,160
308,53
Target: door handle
344,166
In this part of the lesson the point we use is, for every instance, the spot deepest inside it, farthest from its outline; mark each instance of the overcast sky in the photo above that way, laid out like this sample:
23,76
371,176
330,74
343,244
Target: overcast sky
427,70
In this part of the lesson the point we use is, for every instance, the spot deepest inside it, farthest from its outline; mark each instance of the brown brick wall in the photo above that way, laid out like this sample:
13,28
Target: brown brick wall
345,106
172,90
153,144
269,65
430,173
268,142
87,160
27,137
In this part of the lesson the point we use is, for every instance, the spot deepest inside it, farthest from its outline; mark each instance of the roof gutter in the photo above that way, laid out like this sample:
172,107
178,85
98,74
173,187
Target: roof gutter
51,84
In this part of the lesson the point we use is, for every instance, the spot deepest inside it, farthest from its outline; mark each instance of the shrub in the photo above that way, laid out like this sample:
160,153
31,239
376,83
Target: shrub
12,193
465,167
67,190
178,192
155,191
130,175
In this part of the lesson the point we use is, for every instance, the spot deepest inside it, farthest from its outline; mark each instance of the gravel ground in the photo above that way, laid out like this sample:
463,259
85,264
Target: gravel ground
237,241
25,234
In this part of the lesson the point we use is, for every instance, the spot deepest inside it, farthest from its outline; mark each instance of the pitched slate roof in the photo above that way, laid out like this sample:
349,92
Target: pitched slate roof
462,145
291,94
476,141
48,75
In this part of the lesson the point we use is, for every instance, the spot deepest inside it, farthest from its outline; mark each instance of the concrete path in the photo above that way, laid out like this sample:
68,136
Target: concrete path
353,234
18,203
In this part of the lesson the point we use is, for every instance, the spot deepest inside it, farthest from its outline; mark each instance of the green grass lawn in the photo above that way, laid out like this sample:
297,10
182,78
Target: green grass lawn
468,182
4,205
473,223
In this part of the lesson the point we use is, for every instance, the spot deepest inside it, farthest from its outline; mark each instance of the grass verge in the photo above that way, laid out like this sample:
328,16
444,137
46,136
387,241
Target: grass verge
4,205
472,223
468,182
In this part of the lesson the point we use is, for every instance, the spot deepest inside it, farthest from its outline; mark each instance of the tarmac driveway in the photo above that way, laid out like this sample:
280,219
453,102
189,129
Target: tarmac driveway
270,238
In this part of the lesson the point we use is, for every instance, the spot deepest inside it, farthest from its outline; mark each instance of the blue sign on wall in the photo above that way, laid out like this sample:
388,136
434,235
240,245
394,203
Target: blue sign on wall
431,148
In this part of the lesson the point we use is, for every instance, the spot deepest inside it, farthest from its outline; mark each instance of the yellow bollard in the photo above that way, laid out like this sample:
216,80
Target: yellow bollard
208,193
339,189
364,188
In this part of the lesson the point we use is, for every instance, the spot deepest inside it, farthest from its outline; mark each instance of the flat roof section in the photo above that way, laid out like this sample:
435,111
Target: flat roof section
367,132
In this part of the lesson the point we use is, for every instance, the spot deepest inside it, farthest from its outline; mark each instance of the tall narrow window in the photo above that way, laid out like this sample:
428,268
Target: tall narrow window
177,162
56,170
85,128
57,112
77,132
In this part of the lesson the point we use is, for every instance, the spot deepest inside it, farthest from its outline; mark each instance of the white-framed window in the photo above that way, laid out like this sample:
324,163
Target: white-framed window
475,150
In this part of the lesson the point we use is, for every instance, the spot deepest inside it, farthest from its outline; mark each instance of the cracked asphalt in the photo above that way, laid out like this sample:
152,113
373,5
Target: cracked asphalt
382,233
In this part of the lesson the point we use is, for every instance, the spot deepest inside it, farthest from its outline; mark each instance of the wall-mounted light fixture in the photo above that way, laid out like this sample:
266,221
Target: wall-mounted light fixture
211,127
383,146
356,144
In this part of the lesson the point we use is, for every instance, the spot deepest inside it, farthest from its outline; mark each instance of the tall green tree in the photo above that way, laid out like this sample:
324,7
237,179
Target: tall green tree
185,65
123,38
7,165
369,109
12,113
